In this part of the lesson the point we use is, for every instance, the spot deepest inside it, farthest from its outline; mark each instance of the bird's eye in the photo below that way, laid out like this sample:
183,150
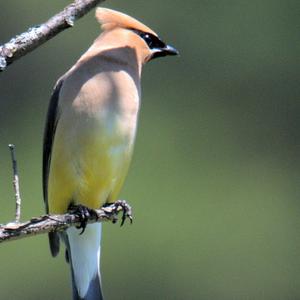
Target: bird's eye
148,40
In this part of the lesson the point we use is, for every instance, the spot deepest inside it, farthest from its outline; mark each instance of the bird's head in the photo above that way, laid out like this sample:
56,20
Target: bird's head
124,31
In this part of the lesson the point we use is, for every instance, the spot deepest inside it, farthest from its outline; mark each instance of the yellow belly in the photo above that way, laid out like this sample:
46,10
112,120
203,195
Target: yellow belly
87,169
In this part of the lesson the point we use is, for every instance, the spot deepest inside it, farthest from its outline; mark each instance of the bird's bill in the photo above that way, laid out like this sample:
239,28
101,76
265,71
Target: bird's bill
167,50
170,50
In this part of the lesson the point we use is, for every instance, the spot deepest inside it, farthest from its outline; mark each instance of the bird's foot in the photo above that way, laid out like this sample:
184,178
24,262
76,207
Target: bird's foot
84,213
116,207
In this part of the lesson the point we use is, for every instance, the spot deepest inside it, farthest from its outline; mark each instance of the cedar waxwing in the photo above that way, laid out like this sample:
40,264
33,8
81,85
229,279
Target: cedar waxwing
89,136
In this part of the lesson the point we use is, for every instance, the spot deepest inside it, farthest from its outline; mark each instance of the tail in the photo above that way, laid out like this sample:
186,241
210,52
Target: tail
83,254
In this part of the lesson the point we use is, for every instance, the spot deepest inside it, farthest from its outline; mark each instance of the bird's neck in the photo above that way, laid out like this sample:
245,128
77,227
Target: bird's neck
115,52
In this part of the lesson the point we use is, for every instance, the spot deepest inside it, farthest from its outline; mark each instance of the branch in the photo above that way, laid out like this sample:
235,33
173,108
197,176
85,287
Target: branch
48,223
24,43
15,182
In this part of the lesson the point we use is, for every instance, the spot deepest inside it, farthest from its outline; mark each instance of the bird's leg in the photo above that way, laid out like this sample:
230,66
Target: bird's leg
116,207
84,213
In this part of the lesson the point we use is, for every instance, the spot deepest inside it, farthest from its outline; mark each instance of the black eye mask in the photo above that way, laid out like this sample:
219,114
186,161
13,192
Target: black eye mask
152,41
158,47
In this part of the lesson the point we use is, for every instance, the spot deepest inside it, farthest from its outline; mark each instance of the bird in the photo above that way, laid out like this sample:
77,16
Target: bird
90,133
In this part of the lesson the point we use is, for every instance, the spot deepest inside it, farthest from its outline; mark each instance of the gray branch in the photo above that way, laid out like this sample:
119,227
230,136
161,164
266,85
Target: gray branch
35,36
47,223
15,182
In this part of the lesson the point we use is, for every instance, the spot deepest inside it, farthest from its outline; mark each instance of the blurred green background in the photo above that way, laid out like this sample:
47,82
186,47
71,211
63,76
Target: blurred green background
215,178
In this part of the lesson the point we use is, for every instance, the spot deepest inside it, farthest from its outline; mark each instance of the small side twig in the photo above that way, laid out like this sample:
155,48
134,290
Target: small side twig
16,182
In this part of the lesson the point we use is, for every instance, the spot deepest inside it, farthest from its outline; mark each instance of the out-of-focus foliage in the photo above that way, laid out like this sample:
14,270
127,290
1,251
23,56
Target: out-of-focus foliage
215,177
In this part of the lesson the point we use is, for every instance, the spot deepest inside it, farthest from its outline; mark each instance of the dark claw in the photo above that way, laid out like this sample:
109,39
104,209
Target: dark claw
84,213
126,209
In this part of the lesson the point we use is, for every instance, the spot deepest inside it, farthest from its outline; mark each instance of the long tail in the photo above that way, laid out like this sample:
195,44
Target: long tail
83,253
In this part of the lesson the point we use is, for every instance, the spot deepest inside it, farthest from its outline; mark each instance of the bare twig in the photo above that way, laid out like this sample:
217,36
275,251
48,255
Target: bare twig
16,182
37,35
47,223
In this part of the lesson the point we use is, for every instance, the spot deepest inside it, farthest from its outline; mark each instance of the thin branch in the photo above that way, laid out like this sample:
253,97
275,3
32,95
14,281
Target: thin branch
47,223
37,35
16,182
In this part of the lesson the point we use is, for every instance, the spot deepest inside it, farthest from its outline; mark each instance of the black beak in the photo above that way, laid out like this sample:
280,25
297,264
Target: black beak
164,51
169,50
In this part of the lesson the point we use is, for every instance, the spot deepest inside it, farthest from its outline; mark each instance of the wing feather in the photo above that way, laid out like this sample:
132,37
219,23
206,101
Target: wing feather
52,119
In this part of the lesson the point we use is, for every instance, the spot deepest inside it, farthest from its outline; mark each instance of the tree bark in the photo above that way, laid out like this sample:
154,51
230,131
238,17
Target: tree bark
47,223
35,36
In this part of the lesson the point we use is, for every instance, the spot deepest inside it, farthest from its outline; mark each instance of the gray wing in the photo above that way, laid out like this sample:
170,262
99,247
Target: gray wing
51,122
